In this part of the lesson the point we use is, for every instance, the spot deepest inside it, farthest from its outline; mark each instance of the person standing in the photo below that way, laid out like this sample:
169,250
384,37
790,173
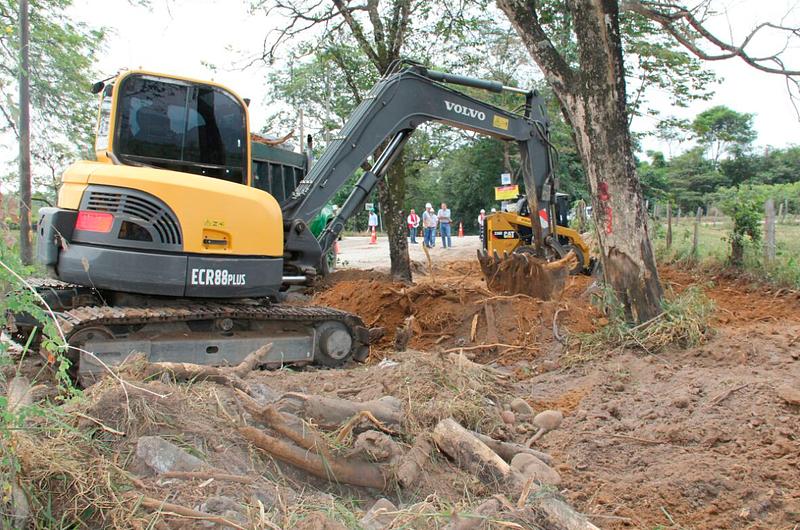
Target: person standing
481,226
413,223
444,226
373,226
429,226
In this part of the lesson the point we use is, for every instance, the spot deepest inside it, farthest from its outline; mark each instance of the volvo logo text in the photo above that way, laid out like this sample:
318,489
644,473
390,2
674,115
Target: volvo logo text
466,111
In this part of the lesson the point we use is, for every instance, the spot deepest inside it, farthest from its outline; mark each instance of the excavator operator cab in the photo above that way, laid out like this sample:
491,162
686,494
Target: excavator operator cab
170,123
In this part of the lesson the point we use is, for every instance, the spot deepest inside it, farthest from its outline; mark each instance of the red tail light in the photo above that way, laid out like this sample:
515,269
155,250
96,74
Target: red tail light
94,221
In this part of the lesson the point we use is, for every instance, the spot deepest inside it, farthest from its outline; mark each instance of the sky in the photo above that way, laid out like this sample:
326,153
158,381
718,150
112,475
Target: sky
184,37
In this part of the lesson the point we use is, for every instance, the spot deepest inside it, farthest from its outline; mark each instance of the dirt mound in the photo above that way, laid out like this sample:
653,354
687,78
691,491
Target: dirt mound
446,303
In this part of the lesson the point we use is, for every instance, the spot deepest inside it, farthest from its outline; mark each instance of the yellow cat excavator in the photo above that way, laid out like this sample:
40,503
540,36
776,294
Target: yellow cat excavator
510,232
168,245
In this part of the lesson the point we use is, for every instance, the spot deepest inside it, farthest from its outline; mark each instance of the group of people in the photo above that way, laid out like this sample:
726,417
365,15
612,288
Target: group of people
430,221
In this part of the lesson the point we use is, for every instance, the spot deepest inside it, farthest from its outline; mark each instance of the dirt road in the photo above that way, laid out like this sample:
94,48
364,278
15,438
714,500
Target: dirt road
356,252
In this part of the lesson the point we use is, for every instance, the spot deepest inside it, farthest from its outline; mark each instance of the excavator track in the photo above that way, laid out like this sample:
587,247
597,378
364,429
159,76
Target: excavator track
198,331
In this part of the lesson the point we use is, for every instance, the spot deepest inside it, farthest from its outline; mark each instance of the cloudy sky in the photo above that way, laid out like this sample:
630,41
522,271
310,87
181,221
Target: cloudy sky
182,37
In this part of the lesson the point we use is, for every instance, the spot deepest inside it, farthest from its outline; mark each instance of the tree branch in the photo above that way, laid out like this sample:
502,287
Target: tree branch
525,19
358,33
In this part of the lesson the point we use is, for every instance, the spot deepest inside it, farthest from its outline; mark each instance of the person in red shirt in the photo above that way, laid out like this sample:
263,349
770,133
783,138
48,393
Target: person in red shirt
413,224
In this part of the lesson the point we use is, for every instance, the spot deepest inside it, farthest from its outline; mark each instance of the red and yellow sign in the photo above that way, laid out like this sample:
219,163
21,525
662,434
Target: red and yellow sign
506,193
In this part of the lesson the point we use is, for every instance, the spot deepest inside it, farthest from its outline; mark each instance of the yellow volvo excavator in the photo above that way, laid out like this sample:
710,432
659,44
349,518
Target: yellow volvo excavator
163,245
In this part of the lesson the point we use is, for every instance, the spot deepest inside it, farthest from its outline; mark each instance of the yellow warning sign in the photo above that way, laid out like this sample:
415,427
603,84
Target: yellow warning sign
500,122
506,193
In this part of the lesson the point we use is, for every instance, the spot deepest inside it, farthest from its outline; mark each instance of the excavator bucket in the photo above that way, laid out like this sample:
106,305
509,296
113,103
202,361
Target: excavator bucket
522,273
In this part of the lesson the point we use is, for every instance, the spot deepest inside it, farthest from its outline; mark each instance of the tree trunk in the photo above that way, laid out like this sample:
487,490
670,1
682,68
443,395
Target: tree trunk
593,97
391,194
25,244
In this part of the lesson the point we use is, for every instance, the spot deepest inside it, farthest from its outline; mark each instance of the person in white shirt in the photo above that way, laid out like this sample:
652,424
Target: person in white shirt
413,223
373,220
444,225
429,224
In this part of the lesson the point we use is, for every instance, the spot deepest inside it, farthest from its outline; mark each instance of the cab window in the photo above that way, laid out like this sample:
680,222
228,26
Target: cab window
167,123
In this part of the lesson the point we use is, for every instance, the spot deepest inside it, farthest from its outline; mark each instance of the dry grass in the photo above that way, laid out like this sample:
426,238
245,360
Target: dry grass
71,478
438,386
684,321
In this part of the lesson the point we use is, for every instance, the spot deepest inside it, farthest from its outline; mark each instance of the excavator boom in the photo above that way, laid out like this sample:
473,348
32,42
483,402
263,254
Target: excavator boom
399,103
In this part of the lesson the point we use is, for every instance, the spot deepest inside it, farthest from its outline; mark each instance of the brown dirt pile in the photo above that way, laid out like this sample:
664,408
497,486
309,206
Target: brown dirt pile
446,303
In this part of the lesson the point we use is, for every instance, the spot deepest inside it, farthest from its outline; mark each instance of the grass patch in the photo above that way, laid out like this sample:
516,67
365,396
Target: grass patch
714,249
683,321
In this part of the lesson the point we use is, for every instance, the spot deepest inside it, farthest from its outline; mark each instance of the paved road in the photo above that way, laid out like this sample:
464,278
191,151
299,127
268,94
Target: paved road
357,253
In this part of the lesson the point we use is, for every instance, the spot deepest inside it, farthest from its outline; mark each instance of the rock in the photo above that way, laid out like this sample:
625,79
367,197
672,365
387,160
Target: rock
520,406
680,402
262,393
161,456
18,393
378,446
508,417
789,395
380,516
548,419
219,504
269,496
548,366
474,518
530,466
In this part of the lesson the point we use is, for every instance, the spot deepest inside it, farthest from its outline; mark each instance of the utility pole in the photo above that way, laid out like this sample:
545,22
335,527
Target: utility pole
25,251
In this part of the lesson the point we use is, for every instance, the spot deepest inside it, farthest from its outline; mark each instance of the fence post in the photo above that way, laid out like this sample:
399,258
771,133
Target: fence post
655,211
785,210
669,226
780,213
696,231
769,232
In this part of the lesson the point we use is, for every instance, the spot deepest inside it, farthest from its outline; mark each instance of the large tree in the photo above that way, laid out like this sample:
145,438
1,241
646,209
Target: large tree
721,129
585,67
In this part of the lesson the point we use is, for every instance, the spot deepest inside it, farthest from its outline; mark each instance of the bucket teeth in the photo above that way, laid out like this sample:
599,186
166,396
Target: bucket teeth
522,273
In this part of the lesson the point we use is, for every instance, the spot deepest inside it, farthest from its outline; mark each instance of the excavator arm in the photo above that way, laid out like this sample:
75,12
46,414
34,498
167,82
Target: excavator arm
398,104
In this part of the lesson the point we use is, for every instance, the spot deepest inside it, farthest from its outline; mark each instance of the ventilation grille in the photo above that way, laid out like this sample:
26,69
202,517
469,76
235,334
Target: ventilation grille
138,207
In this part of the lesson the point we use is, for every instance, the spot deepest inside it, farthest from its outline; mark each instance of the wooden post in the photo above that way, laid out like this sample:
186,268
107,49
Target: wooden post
25,243
785,211
780,213
655,211
696,231
669,226
769,232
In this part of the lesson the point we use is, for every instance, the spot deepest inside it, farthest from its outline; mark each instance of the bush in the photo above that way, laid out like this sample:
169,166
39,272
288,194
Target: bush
744,206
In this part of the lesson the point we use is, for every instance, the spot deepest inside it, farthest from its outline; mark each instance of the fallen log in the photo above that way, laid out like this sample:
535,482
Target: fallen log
330,413
287,425
182,511
507,451
474,456
334,469
413,462
224,375
205,475
559,515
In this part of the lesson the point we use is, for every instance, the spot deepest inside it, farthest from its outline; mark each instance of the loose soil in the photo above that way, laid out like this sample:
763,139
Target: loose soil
694,437
688,438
